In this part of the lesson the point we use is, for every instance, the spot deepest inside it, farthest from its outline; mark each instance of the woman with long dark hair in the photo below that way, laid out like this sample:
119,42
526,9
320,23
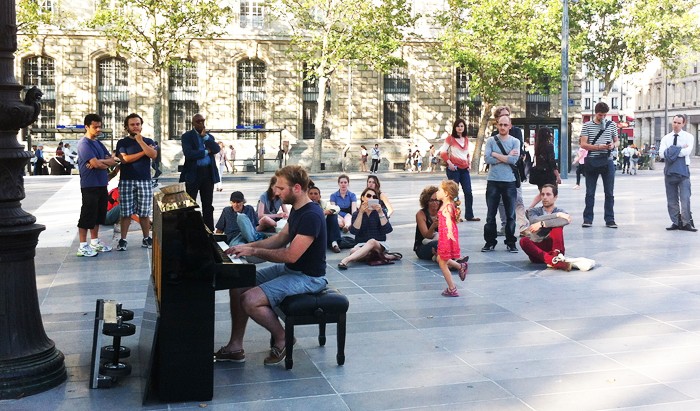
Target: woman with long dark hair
271,209
545,169
455,152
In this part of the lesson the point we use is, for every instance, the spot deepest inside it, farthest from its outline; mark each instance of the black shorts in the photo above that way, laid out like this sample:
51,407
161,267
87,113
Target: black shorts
94,208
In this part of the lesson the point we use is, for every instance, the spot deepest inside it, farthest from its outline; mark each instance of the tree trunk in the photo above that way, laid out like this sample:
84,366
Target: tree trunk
318,124
485,115
158,108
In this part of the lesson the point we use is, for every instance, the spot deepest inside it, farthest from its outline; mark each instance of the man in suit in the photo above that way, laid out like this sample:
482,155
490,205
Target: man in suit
676,148
199,172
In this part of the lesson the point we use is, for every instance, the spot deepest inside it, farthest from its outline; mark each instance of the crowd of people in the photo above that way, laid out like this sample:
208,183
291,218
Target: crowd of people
293,226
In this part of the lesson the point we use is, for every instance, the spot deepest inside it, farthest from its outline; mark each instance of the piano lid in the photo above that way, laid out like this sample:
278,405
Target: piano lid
174,197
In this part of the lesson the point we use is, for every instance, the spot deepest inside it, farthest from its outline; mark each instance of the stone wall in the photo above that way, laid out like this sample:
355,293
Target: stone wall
356,115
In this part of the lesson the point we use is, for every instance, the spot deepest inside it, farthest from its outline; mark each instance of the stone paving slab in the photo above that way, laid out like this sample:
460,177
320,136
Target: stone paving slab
522,337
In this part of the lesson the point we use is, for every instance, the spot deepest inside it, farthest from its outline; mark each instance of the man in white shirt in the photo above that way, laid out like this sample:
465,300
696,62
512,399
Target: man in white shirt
676,148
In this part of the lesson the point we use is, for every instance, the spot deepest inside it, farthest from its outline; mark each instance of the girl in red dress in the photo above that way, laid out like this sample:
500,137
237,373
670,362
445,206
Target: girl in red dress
448,237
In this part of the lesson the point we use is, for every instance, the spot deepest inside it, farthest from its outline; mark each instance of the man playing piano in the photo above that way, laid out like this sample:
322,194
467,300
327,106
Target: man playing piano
302,267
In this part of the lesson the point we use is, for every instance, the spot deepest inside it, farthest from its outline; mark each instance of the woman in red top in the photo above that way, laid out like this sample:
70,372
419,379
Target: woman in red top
455,152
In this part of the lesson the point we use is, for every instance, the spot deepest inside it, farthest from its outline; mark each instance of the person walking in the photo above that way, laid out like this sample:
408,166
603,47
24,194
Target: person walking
448,252
363,158
579,162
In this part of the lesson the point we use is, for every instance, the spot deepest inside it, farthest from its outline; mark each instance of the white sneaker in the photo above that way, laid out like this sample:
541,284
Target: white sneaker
100,247
581,263
86,251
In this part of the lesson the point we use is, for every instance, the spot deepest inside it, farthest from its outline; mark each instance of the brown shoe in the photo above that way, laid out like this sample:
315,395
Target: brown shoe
232,356
276,356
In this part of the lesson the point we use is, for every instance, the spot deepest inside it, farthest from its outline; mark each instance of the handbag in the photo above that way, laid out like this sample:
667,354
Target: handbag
513,168
377,258
538,177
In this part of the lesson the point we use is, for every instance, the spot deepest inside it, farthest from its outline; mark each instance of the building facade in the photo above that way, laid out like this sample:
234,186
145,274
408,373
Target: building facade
246,79
661,95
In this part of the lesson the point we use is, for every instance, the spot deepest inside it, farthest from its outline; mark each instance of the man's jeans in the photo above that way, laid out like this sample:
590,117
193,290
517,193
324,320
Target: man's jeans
461,176
678,187
608,177
520,218
247,234
495,191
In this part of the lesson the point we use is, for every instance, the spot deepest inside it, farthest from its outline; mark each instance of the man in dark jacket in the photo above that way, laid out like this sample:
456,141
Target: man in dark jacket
199,172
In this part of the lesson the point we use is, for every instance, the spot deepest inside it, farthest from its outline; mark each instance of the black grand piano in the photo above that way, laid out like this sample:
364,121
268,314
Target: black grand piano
177,332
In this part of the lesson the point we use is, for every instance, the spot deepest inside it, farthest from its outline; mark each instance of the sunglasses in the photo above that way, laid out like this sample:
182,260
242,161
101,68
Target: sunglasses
434,200
503,124
368,195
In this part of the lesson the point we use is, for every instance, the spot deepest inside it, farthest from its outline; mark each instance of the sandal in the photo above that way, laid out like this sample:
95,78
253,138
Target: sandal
463,267
463,259
397,256
342,266
450,293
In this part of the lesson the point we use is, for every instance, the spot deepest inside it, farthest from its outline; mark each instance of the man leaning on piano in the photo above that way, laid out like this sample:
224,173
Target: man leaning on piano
301,268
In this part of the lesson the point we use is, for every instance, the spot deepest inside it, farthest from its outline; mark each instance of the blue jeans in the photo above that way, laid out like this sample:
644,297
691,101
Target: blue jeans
678,187
247,234
332,229
461,176
495,192
608,177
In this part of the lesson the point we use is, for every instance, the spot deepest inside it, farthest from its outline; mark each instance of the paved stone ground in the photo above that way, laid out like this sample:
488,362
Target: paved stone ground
624,335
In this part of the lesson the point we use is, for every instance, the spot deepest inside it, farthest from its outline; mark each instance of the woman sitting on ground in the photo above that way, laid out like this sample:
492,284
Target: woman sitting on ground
426,241
270,208
346,200
370,227
331,212
373,183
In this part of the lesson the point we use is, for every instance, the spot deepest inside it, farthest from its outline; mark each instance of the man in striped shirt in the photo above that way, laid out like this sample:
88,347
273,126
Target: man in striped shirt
599,137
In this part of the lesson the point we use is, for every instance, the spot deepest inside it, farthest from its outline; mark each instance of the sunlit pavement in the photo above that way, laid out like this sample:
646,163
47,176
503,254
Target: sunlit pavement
623,335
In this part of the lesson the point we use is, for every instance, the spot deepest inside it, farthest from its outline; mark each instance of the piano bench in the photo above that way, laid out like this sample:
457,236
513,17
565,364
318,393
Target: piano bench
327,306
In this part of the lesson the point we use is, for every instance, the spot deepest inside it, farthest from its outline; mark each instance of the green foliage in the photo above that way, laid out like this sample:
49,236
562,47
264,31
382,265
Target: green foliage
159,31
326,34
30,17
617,37
503,46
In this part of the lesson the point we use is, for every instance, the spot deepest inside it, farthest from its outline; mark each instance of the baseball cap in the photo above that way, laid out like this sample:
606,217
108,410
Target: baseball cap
237,196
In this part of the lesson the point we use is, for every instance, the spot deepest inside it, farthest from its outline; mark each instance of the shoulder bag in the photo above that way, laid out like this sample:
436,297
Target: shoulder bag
598,163
513,168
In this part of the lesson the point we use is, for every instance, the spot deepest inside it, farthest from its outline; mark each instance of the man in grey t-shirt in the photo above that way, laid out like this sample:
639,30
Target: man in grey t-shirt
501,184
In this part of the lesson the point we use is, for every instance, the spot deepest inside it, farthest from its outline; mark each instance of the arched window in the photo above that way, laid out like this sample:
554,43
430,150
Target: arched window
112,92
468,106
251,93
39,71
397,103
310,97
183,94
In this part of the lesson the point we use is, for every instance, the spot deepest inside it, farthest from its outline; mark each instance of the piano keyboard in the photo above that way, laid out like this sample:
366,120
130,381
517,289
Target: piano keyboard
223,246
